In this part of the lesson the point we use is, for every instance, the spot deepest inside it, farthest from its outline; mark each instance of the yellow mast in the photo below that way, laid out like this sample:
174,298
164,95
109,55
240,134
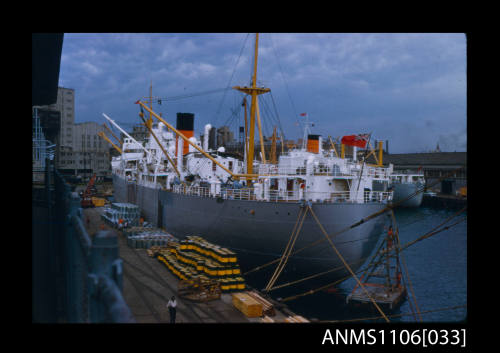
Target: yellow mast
254,91
262,149
380,149
246,127
272,158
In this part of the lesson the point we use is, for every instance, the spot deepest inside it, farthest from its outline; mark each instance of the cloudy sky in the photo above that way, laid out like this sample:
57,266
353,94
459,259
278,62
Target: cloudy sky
409,89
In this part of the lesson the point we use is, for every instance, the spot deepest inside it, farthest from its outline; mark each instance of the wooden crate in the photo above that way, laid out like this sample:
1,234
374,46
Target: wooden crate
247,305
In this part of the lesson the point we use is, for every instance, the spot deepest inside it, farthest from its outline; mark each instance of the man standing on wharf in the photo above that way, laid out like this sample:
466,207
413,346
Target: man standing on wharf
172,307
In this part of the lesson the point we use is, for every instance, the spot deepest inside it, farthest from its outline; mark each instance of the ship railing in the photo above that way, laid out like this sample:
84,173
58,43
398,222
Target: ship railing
379,173
330,197
272,169
285,196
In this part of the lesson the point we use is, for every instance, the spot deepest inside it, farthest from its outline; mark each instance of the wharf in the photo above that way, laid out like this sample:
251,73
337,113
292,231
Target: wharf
444,201
148,285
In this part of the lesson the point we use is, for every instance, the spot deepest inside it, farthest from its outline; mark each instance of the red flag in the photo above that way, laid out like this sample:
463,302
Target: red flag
359,140
303,114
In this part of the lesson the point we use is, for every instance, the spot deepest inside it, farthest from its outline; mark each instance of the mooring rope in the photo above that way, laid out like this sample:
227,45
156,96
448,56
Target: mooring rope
288,249
347,265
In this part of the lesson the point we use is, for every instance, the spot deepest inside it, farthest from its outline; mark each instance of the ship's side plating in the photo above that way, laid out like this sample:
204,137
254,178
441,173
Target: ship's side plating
259,231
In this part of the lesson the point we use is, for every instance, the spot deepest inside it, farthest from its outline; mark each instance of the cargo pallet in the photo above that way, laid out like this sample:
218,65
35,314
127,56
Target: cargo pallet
388,297
385,266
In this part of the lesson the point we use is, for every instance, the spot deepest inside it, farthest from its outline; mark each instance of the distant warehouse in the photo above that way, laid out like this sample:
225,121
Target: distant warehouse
435,165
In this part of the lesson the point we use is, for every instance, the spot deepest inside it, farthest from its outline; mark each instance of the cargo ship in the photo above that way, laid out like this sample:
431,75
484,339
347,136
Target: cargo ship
253,206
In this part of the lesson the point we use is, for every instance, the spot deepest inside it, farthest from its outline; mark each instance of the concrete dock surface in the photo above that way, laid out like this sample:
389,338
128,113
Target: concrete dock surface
148,285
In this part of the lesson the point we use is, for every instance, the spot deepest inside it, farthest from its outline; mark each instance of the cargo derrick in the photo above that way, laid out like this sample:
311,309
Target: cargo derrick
88,193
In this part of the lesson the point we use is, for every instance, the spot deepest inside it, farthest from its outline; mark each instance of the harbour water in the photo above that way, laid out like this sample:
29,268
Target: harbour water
437,268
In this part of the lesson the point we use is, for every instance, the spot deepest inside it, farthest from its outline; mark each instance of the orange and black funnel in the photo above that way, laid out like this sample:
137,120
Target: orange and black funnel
185,124
313,143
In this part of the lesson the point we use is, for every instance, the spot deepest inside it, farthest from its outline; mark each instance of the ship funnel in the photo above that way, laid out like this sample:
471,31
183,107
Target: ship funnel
185,124
313,142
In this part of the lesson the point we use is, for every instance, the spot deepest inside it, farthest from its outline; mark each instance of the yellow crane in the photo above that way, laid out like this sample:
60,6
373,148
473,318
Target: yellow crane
103,135
181,135
149,125
111,132
333,146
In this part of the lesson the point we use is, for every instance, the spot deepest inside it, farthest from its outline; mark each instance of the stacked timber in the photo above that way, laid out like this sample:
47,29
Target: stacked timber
247,305
266,319
296,319
267,307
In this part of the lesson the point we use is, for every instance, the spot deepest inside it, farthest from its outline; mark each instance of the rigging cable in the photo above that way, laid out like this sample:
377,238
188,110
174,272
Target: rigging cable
405,268
286,85
347,265
230,79
434,231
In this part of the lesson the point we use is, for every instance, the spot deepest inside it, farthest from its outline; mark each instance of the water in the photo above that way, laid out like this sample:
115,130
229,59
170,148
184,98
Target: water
437,268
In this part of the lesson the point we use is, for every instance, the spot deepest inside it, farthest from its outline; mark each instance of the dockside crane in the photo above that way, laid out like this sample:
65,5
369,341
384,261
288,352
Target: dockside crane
103,135
88,193
112,134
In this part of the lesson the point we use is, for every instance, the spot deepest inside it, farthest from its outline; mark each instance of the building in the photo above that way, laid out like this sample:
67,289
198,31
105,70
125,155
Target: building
224,136
450,167
79,151
90,153
57,121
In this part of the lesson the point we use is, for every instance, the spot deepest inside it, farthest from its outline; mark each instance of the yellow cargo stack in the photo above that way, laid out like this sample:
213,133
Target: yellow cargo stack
247,305
98,202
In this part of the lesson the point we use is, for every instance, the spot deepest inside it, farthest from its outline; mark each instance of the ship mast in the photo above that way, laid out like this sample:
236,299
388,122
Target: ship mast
253,91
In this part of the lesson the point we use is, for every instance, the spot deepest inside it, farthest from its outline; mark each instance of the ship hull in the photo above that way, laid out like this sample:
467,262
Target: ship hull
259,232
403,190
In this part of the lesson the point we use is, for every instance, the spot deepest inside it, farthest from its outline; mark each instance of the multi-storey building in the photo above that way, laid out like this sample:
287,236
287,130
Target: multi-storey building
90,153
79,151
